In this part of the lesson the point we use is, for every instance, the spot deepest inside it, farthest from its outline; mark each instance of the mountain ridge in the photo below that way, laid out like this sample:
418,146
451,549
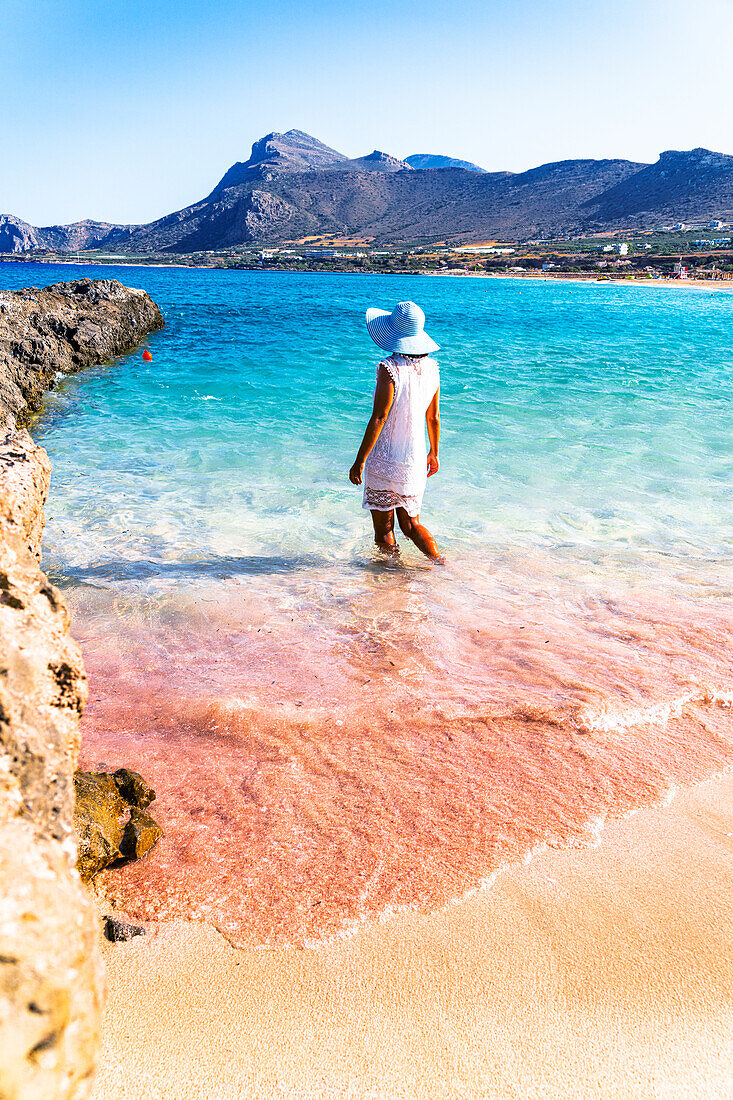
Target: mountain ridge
293,186
437,160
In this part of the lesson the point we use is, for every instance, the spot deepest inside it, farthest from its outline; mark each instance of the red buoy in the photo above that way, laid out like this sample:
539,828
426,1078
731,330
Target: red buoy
147,357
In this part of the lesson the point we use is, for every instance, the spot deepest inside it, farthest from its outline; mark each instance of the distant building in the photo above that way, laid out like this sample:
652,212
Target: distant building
715,224
622,249
680,227
268,253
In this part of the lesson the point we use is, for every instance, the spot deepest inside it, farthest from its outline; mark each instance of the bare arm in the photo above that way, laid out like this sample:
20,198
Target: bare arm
432,419
383,397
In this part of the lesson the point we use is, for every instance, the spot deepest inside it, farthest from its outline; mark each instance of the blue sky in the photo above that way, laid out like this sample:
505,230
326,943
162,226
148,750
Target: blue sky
124,110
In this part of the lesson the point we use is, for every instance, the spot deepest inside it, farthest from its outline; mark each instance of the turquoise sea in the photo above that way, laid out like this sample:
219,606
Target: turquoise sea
332,736
585,419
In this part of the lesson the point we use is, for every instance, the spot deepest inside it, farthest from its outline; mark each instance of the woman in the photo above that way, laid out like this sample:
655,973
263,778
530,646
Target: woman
393,458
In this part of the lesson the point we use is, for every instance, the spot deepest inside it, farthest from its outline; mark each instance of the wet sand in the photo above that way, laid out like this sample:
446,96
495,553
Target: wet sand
589,972
319,770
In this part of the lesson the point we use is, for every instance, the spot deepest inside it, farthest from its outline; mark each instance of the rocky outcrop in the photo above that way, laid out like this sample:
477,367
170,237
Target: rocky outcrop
17,235
111,819
50,969
50,961
25,471
62,329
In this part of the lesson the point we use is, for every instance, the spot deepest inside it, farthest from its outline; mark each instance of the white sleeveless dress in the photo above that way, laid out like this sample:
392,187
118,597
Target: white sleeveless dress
395,473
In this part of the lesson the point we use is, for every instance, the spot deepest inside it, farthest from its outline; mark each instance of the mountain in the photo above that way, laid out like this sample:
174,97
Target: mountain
434,160
380,162
293,186
681,186
275,153
18,236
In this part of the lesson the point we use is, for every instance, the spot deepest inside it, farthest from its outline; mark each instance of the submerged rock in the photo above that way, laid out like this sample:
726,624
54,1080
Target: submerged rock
111,821
99,819
133,788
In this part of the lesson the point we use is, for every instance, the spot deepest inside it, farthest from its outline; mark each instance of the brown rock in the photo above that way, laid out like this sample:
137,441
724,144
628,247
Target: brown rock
100,816
142,833
62,329
25,472
111,821
133,788
50,961
51,978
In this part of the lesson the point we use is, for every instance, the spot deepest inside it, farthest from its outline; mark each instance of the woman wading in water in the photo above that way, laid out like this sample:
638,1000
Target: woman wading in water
393,459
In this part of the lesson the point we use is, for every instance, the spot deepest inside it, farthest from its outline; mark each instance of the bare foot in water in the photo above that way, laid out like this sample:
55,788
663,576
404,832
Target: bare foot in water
388,550
419,534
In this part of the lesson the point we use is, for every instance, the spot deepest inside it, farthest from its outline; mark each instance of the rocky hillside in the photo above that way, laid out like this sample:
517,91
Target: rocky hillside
51,980
681,186
435,160
293,186
18,236
272,200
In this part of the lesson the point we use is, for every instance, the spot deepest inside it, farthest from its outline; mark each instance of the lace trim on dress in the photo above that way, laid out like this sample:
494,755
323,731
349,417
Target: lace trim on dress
384,500
392,365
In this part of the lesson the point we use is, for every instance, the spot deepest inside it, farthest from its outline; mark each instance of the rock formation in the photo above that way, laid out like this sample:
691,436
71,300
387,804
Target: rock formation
111,819
50,962
60,330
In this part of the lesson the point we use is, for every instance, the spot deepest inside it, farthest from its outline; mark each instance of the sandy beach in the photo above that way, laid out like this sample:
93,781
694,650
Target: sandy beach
597,972
607,280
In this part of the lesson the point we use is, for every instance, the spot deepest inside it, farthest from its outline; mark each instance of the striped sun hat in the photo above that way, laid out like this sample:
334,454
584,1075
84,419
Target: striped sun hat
401,331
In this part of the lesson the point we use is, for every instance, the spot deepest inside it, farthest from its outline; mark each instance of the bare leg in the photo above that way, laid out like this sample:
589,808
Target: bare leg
384,531
414,530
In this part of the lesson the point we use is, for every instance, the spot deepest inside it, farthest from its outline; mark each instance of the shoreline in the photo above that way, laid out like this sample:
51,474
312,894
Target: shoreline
592,972
689,284
692,284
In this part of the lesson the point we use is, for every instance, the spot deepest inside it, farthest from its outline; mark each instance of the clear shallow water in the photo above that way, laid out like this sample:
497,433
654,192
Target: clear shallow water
331,736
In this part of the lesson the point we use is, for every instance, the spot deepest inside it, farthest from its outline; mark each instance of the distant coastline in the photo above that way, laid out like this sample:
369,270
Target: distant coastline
528,276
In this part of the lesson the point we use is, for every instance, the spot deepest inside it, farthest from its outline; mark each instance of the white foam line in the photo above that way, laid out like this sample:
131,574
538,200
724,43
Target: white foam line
599,721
